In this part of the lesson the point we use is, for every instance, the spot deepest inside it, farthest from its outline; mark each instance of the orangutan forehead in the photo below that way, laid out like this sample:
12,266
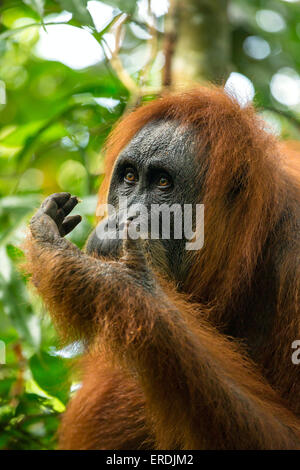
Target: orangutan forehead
163,138
168,133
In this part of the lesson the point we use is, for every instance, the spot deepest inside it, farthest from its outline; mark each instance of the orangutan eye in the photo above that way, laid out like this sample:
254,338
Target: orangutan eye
130,176
164,182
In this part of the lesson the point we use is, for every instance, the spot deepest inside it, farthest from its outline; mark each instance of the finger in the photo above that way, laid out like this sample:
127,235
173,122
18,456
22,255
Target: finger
134,256
59,198
70,223
50,208
70,204
59,216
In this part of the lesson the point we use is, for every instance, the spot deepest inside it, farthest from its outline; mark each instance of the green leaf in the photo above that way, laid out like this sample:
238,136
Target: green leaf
13,210
34,138
21,133
6,413
36,5
51,374
47,402
31,404
99,34
79,10
15,302
5,386
14,253
10,32
4,439
128,6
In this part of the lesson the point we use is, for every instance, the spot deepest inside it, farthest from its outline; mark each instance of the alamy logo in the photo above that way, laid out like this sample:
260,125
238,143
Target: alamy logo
161,221
2,353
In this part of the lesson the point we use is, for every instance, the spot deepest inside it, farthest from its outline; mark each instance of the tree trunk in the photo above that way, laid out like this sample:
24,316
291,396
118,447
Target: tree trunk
197,42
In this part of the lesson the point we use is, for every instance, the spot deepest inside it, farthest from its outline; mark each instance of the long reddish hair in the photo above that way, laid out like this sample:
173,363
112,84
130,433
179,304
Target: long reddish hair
244,160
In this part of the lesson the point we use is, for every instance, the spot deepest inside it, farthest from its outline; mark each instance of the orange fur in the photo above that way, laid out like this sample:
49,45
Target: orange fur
209,367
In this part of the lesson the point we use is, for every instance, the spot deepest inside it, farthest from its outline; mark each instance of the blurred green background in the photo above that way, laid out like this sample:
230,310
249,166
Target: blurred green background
69,69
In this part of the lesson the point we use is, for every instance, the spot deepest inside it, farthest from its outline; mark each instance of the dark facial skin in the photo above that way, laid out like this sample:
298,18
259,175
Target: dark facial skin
156,167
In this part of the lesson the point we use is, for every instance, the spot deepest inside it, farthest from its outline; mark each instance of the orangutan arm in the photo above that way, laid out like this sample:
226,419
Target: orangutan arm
200,391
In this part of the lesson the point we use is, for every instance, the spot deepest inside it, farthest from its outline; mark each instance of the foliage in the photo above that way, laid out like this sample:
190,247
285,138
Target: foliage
53,125
54,119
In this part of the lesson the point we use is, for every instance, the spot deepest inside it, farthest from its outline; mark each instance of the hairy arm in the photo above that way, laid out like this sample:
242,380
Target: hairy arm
200,390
